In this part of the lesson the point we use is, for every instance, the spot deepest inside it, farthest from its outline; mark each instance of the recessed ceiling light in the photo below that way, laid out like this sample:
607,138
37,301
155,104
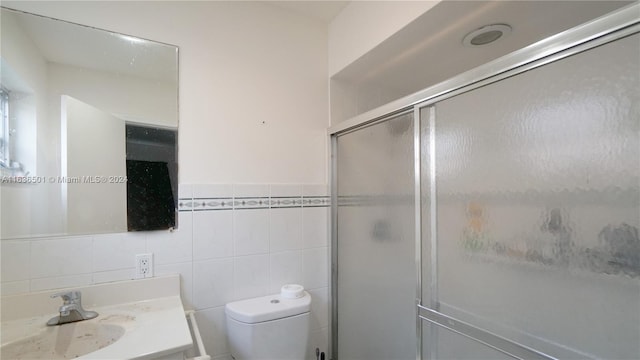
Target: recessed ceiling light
486,35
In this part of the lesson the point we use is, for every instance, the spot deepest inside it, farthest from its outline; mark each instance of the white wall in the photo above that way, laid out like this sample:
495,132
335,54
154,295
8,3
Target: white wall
253,109
362,25
95,148
253,84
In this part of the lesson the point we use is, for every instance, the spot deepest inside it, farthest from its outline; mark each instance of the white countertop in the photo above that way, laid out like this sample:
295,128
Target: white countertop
154,327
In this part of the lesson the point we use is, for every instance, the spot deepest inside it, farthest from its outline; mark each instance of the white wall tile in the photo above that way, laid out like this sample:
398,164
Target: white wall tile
212,283
213,328
172,246
251,231
185,270
15,260
315,268
319,308
136,235
251,276
288,190
212,234
185,191
285,230
315,227
185,224
116,251
212,190
61,256
14,287
285,268
251,190
59,282
315,190
114,275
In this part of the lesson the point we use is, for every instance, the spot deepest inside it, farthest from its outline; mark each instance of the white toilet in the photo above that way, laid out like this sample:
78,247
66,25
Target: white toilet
274,327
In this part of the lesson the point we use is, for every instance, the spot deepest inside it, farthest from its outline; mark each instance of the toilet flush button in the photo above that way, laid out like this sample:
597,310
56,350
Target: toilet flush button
292,291
275,301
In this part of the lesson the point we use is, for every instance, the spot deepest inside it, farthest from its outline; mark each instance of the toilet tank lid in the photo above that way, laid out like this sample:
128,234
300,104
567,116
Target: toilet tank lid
267,308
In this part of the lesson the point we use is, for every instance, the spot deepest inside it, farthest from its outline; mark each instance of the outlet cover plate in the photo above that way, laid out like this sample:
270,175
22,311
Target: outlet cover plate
144,266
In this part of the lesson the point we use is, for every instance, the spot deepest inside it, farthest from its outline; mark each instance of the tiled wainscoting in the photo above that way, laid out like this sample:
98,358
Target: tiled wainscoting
232,242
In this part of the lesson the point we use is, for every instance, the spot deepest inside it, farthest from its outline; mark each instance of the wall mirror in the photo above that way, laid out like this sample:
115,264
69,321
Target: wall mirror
88,141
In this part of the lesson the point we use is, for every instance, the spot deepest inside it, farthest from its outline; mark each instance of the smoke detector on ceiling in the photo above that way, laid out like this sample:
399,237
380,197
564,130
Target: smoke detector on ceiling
486,35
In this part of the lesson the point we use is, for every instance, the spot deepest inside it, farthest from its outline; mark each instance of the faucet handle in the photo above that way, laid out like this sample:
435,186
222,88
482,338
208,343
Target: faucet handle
68,296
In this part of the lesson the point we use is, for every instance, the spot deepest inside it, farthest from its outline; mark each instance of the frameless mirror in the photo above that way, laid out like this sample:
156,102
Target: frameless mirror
88,142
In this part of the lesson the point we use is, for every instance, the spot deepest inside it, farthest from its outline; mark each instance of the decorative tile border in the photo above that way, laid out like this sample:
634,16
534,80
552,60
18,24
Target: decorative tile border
185,204
213,204
286,202
316,201
250,202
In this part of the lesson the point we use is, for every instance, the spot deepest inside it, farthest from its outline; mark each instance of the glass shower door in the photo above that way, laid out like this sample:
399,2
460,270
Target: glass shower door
376,273
532,186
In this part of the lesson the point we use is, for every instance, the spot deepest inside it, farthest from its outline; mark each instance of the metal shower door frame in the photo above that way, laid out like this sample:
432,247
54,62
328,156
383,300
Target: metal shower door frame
613,26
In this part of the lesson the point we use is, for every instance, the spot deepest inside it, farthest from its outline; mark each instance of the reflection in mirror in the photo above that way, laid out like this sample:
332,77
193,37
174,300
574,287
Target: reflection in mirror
150,165
89,129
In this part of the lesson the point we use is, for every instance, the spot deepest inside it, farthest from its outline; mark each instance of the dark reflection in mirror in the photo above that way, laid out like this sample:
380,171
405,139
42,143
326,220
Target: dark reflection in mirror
151,178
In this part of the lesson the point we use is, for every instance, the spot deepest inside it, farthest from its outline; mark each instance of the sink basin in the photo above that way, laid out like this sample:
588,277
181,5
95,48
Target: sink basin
66,341
138,319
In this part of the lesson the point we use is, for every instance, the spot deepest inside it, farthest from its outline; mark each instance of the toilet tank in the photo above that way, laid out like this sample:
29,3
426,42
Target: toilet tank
269,327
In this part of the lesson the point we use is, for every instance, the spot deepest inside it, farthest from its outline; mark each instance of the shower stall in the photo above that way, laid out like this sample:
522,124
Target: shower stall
496,215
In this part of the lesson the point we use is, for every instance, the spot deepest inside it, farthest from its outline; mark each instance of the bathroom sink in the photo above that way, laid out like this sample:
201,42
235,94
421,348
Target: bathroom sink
66,341
138,319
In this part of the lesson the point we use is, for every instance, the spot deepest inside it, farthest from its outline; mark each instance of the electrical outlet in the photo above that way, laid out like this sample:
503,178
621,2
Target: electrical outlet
144,266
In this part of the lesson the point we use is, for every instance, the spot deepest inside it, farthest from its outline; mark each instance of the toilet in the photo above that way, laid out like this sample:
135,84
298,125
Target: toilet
274,327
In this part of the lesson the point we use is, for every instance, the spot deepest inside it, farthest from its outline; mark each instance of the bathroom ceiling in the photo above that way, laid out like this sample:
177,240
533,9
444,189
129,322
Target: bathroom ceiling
324,11
431,44
429,50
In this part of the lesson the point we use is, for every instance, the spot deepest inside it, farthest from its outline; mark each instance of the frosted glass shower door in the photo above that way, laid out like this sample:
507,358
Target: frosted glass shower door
376,273
537,209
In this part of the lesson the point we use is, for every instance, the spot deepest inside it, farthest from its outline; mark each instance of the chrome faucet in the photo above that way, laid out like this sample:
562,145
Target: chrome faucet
71,310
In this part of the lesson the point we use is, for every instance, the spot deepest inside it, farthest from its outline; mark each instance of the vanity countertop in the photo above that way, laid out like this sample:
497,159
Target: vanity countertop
143,328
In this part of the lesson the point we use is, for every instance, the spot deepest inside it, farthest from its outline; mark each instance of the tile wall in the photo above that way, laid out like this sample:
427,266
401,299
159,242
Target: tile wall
233,242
